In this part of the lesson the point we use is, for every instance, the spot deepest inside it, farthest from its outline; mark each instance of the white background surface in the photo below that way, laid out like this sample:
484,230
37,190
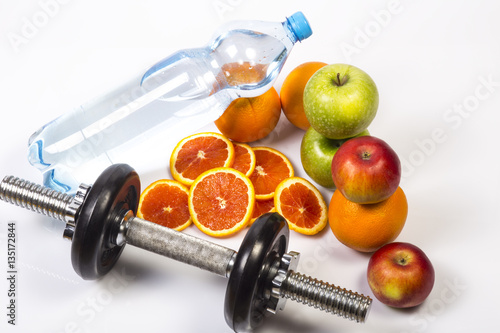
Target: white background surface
430,59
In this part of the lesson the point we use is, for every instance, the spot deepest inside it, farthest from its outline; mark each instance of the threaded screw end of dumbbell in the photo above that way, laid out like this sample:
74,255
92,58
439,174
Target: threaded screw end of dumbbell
34,197
326,297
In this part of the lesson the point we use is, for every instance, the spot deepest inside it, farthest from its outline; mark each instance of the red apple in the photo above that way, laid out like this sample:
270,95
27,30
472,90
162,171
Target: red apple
400,275
366,170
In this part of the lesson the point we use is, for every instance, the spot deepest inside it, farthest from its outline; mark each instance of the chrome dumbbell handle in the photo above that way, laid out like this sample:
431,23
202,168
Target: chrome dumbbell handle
177,245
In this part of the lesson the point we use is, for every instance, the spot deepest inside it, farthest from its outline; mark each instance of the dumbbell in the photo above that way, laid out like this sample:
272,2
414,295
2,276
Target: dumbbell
100,221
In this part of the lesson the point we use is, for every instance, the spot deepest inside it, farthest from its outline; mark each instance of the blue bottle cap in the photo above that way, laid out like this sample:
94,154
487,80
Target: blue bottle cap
299,25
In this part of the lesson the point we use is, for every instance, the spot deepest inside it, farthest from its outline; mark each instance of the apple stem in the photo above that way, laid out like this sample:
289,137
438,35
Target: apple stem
340,82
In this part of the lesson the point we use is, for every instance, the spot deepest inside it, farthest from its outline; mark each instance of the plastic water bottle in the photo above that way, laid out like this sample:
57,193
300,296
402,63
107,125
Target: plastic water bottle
178,95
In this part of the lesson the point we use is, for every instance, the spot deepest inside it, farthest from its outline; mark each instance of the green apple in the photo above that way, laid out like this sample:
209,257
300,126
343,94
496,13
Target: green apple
340,101
316,154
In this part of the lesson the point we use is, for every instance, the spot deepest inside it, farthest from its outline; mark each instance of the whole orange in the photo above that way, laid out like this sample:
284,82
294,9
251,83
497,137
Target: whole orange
292,92
367,227
251,119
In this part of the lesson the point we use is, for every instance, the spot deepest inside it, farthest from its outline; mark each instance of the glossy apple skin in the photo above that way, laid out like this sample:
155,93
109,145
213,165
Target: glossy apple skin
400,275
366,170
340,101
316,155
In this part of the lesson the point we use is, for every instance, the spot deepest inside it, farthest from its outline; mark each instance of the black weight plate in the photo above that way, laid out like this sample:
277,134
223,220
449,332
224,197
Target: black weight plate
246,302
116,191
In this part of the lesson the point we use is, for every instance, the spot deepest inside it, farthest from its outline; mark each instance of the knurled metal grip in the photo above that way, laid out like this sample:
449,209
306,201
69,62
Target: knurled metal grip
179,246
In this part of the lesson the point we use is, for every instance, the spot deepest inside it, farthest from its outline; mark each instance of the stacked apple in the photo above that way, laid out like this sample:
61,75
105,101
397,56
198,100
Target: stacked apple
340,102
366,170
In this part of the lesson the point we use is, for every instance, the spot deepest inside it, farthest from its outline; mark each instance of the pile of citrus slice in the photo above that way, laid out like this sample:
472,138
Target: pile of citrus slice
222,186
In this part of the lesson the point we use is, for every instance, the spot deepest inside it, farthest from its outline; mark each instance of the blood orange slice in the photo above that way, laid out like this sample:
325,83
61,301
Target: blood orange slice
261,207
302,205
221,201
198,153
165,202
271,168
244,158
